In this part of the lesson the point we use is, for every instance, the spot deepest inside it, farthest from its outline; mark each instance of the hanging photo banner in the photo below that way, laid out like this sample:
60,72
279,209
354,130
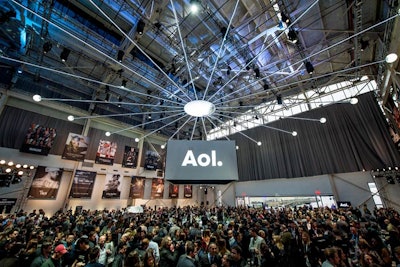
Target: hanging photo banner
173,190
112,187
106,152
38,139
46,182
130,157
188,191
75,147
154,157
157,188
194,162
137,187
83,184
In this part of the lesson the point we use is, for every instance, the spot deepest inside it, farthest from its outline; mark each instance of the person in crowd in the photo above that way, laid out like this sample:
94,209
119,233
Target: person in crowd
168,254
45,253
188,259
94,254
236,258
11,259
55,259
211,259
332,258
120,255
149,260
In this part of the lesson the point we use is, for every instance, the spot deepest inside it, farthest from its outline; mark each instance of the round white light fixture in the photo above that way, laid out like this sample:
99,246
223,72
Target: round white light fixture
237,147
199,108
10,163
259,143
37,98
108,133
353,100
18,166
71,118
137,140
162,146
294,133
391,58
25,166
31,167
322,120
2,161
20,173
8,170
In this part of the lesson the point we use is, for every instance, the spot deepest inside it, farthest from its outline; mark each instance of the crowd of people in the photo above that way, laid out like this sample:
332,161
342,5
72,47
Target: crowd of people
202,237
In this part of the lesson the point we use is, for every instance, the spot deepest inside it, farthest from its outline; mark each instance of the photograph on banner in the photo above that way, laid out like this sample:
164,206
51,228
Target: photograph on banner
173,190
112,188
188,191
106,152
154,157
38,139
137,187
75,147
83,184
157,188
130,157
46,182
393,115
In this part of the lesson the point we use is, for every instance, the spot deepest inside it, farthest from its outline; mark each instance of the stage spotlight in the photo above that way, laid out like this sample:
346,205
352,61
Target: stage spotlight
364,44
120,55
119,100
266,86
285,18
47,47
279,99
309,67
140,27
194,6
123,83
257,72
228,71
390,180
292,35
64,54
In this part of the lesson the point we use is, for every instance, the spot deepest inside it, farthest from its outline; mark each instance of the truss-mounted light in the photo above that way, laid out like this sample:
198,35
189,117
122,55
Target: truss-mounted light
194,6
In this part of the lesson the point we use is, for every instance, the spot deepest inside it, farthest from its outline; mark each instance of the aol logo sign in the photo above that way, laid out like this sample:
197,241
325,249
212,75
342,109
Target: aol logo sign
203,160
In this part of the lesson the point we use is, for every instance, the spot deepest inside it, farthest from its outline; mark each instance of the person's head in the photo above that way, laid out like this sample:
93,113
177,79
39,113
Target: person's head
331,255
166,242
59,251
145,243
121,249
305,237
52,172
70,239
253,232
102,240
46,248
133,260
94,254
75,141
92,236
83,244
236,253
397,252
226,260
230,233
190,248
149,260
212,248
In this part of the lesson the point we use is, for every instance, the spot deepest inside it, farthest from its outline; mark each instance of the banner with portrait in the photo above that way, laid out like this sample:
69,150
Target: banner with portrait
106,152
46,183
38,139
173,191
137,187
154,157
112,188
157,188
130,157
83,184
188,191
75,147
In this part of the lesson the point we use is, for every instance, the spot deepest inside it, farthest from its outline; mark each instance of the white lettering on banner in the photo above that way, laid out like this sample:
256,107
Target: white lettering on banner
203,160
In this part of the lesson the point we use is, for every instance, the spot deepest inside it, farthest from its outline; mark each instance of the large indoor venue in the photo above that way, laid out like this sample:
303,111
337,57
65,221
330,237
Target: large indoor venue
199,133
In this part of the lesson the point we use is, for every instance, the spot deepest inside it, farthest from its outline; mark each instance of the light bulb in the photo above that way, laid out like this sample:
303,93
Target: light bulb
108,133
137,140
322,120
71,118
294,133
259,143
37,98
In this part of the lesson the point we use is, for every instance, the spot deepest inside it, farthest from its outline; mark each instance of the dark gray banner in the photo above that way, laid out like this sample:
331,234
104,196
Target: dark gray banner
201,161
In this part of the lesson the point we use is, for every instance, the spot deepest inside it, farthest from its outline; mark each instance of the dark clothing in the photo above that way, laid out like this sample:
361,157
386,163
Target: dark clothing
168,258
94,264
206,260
186,261
118,260
10,262
51,263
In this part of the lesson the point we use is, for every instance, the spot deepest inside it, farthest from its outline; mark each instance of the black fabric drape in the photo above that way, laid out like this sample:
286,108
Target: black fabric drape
354,138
